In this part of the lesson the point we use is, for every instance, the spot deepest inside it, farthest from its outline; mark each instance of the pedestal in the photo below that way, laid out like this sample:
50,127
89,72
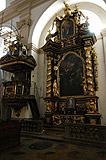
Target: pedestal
93,118
48,119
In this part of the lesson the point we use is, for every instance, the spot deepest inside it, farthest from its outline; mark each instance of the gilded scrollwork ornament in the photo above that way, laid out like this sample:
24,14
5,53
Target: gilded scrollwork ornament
48,106
49,36
67,9
74,43
55,105
56,39
57,120
62,44
76,119
91,106
55,70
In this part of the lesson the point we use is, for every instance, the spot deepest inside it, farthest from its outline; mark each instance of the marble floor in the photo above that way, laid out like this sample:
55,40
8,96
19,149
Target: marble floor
51,146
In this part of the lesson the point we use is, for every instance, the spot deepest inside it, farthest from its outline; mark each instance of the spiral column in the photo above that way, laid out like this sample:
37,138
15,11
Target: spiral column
95,68
89,71
48,87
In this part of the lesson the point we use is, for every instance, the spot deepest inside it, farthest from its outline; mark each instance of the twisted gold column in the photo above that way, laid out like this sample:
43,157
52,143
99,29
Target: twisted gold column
95,67
89,72
84,83
48,87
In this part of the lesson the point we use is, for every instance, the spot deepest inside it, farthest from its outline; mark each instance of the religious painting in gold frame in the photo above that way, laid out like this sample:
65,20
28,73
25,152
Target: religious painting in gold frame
71,69
67,28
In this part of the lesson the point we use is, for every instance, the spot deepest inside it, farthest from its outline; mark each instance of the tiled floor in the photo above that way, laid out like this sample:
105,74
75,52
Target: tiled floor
43,148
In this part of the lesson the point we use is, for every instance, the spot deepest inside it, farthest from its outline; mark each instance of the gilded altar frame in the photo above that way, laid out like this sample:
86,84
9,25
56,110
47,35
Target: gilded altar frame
80,44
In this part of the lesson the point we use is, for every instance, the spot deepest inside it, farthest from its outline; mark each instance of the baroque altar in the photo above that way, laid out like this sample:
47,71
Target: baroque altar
72,70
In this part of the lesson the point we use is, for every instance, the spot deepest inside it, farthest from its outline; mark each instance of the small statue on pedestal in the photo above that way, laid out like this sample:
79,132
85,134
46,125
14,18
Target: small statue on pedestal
55,89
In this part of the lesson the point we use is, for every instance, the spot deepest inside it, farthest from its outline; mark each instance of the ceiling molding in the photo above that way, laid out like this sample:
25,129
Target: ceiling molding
17,6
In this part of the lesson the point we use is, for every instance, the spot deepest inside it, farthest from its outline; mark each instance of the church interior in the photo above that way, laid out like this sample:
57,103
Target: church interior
52,79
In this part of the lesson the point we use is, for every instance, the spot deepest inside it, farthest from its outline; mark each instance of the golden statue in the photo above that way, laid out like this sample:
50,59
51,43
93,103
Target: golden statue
55,89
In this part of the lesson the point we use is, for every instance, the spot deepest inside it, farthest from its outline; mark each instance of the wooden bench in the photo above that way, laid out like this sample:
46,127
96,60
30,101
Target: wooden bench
9,134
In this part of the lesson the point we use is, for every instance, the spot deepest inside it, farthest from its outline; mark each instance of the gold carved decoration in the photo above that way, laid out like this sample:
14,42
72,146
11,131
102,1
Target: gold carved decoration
60,119
91,106
93,121
84,84
55,70
75,119
49,106
95,67
55,105
67,9
89,72
48,92
57,120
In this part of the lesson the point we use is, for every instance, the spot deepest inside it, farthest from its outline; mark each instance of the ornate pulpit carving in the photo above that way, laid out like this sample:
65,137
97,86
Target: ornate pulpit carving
71,70
16,93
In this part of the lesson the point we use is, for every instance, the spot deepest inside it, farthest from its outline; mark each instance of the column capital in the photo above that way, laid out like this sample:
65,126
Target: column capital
103,32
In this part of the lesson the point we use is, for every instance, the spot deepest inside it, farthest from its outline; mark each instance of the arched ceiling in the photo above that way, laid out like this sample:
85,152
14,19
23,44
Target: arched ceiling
96,6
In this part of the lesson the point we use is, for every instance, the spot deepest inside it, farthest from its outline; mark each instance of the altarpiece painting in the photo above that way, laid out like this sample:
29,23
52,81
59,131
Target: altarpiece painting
70,73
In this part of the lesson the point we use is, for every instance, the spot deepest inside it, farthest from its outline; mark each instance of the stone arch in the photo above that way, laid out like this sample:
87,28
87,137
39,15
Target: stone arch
39,30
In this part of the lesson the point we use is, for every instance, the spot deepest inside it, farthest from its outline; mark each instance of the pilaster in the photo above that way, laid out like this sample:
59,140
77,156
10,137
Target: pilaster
25,21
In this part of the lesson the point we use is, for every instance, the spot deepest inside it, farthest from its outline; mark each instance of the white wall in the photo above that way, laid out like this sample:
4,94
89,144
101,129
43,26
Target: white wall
101,79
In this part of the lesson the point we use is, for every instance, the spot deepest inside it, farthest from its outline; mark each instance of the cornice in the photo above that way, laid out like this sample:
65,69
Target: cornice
17,7
103,32
32,47
99,37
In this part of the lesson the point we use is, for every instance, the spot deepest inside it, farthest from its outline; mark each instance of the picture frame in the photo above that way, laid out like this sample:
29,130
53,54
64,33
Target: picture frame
71,103
67,29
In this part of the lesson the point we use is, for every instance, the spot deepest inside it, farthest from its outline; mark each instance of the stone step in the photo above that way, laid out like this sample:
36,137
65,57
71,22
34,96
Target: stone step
54,128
